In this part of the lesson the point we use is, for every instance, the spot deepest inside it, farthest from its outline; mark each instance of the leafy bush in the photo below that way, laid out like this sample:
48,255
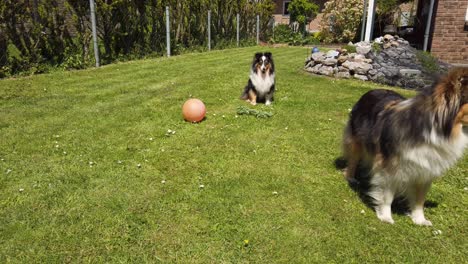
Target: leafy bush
284,34
429,62
311,40
350,48
73,60
57,33
386,9
4,71
302,11
341,19
376,47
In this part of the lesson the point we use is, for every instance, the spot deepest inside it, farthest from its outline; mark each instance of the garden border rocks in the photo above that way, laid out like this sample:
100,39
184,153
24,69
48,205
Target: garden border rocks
388,60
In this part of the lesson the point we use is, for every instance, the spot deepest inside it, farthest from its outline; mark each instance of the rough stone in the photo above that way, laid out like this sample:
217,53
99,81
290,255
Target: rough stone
391,53
363,49
379,77
318,56
310,64
395,64
394,43
342,59
326,70
332,54
358,67
390,72
410,73
359,57
330,62
316,68
378,40
372,72
343,75
360,77
388,38
343,69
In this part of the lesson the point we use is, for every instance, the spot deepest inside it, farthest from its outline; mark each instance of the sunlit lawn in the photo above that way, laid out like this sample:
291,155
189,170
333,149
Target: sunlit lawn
89,172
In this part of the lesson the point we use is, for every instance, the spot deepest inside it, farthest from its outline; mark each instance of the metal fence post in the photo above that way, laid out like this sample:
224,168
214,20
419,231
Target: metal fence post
364,14
209,30
274,26
258,29
168,33
237,22
93,26
428,25
370,20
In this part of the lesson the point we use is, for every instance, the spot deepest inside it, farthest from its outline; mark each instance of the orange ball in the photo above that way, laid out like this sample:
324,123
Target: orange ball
194,110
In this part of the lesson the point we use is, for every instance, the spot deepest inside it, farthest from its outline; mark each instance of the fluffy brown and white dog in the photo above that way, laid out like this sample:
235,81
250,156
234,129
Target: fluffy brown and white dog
408,143
261,84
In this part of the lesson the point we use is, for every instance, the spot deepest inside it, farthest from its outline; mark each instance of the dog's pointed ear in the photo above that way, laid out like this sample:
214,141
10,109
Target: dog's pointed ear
268,55
258,55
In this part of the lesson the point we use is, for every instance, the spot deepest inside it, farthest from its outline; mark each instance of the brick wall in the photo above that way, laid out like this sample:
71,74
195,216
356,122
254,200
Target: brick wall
450,40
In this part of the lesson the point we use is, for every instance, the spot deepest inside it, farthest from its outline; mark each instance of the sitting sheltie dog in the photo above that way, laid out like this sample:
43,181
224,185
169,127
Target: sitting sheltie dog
261,85
407,143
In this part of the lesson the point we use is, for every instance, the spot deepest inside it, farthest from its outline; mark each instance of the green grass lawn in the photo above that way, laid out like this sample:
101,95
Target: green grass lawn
89,172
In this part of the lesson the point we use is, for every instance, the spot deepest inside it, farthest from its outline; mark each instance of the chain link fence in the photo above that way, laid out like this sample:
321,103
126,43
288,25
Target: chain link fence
38,34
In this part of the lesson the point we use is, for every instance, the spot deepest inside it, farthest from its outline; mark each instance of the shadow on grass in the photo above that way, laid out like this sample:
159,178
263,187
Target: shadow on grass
361,186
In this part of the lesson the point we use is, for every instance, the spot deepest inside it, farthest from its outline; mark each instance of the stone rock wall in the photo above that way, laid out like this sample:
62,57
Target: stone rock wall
389,60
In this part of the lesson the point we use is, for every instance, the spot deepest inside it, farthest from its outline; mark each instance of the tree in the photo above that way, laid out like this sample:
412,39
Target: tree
341,20
302,12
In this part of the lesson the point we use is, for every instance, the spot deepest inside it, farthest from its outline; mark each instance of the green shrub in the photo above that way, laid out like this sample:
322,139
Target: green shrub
73,60
341,19
284,34
429,62
350,48
376,47
311,40
4,72
302,11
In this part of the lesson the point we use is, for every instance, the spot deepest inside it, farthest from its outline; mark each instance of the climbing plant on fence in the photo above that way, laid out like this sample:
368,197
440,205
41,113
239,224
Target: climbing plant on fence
38,34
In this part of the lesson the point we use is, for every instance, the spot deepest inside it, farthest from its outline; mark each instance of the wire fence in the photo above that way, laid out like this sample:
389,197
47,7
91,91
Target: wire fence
36,34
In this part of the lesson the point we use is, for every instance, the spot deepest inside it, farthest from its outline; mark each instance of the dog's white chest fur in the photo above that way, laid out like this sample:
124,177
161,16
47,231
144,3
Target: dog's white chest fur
262,82
434,158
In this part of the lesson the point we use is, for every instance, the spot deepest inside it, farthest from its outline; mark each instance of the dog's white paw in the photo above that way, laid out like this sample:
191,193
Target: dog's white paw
385,215
421,221
386,219
418,218
267,103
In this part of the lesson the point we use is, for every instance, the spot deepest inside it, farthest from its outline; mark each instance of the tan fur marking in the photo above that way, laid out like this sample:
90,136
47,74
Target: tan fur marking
462,116
460,120
252,97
